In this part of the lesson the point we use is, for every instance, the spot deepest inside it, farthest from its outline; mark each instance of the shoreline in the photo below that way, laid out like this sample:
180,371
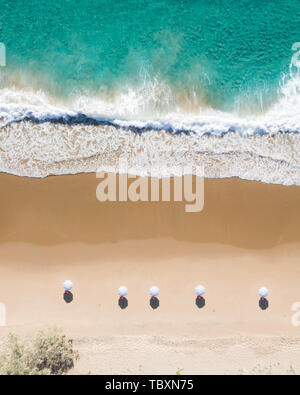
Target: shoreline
270,158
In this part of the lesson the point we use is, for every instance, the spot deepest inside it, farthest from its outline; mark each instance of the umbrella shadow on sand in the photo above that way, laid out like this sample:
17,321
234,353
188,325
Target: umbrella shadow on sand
200,302
68,297
154,302
123,302
263,303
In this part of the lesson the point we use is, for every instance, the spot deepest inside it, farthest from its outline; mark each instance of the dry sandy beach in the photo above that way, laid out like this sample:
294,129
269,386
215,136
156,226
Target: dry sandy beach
247,236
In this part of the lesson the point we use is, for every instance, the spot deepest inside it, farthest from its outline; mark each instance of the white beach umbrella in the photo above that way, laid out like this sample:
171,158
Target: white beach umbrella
68,285
263,292
122,291
200,290
154,291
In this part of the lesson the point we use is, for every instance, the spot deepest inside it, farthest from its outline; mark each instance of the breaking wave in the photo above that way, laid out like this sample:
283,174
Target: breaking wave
153,126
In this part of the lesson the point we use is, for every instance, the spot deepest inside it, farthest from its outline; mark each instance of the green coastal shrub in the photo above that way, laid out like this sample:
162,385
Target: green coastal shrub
49,353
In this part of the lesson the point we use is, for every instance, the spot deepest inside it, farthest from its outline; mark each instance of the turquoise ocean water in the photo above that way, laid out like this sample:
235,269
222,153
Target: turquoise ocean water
191,82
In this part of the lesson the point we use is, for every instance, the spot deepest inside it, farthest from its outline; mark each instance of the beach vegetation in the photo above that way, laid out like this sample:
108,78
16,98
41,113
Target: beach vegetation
49,353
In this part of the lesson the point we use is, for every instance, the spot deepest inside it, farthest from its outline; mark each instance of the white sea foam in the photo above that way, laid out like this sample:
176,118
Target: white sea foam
40,136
